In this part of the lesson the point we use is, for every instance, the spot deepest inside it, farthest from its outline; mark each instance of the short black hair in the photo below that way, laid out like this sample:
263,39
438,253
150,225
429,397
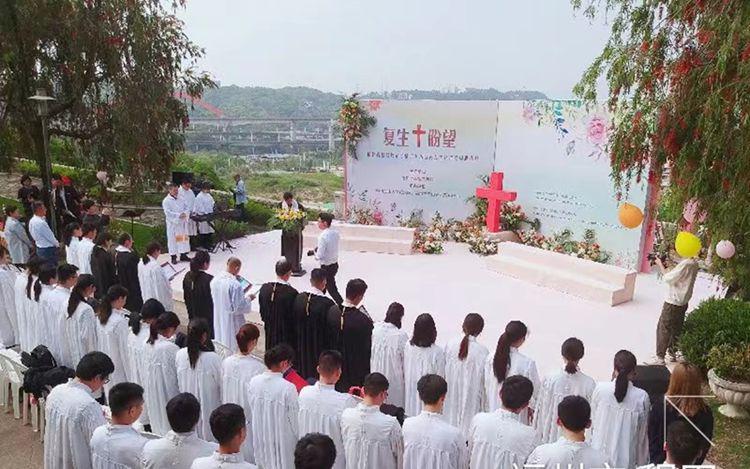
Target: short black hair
283,267
37,205
516,392
574,412
10,208
317,275
25,177
66,272
88,228
87,204
152,309
94,364
102,238
288,195
330,361
684,444
183,412
278,354
431,388
375,383
314,451
355,287
326,217
124,238
123,396
226,422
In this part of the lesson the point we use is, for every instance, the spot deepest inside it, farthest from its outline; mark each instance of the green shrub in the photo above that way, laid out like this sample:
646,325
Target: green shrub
201,167
258,213
731,362
713,323
670,210
83,179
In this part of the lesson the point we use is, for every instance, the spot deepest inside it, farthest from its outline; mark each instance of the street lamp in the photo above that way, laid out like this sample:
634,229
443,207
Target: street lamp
41,99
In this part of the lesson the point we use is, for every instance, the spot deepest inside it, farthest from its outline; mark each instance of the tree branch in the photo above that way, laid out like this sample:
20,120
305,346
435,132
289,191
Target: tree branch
80,135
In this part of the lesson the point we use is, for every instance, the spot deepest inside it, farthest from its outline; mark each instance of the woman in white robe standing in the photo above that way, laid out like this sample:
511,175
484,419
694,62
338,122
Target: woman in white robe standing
387,352
80,336
8,319
153,280
71,238
23,291
464,372
160,370
567,382
421,357
112,333
199,373
54,309
140,329
41,333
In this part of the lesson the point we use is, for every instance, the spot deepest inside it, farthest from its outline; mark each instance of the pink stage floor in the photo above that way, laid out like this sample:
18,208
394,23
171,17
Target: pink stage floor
456,282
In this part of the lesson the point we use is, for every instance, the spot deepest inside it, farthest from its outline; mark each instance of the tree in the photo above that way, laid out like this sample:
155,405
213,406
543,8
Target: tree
678,73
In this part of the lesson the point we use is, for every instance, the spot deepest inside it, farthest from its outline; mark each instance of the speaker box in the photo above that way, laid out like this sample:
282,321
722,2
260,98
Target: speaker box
654,379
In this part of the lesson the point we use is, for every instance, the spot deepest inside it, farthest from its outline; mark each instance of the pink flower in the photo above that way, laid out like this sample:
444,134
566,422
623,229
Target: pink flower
378,217
528,113
597,131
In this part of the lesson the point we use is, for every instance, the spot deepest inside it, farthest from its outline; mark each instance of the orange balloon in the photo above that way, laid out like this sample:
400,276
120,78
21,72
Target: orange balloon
630,216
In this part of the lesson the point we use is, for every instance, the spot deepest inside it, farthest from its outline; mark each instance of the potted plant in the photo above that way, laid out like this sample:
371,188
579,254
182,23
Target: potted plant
729,378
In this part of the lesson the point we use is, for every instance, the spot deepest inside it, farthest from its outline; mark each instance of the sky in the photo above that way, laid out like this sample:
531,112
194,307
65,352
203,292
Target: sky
347,46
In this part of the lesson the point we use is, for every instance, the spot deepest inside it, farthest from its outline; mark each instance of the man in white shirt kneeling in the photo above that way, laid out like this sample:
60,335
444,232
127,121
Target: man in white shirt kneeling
118,444
228,427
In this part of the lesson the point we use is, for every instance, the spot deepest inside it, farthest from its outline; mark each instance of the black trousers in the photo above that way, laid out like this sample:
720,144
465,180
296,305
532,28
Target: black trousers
331,270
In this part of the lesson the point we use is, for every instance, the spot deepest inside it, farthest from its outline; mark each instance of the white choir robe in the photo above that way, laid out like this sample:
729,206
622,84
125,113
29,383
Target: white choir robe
175,451
160,374
83,254
203,382
273,415
521,365
619,429
113,340
176,218
81,332
387,357
223,461
420,361
137,347
554,389
230,307
187,197
71,252
54,309
565,453
39,333
155,284
430,441
465,383
22,311
9,334
116,447
320,409
204,204
371,438
71,416
498,440
236,373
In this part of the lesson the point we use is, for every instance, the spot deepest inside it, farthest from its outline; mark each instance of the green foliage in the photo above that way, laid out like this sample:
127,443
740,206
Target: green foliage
670,210
142,234
258,213
202,168
317,187
83,179
731,362
714,322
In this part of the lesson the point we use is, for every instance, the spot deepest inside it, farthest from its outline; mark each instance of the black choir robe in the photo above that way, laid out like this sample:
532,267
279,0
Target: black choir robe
126,265
355,342
276,302
103,270
311,317
197,294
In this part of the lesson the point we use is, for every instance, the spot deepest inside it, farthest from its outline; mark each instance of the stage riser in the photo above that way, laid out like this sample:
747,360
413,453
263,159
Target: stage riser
382,246
389,233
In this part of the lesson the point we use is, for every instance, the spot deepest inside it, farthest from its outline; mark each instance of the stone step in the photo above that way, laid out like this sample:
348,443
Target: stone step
349,230
363,244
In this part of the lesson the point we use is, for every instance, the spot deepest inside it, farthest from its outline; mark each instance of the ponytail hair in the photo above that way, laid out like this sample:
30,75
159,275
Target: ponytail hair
572,351
473,326
32,266
150,310
105,306
165,321
625,364
197,329
151,248
85,281
46,275
200,259
514,331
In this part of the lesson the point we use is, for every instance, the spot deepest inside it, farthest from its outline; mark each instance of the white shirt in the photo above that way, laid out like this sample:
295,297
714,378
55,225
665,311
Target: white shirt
519,364
84,249
328,247
320,409
420,361
431,442
41,233
236,373
681,281
80,335
160,381
116,447
465,383
113,340
222,461
566,453
19,244
555,388
176,451
71,252
387,357
154,283
497,439
204,204
230,307
371,438
203,382
273,415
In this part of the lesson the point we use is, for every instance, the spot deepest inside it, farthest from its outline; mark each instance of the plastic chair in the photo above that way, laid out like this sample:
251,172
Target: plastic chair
4,386
16,382
222,349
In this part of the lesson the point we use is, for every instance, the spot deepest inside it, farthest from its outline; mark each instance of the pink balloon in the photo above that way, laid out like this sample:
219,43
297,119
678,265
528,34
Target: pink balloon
690,212
725,249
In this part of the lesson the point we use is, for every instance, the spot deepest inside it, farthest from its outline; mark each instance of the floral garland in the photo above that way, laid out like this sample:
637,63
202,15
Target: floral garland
355,123
287,220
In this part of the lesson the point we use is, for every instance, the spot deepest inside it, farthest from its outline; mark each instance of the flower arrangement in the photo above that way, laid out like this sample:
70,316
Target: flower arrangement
355,123
563,242
429,239
287,220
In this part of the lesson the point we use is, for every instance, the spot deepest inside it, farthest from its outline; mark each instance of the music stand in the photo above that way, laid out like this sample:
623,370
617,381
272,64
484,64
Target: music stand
133,214
220,227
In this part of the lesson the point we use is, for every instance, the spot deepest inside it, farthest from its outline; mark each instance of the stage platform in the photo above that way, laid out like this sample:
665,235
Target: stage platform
456,282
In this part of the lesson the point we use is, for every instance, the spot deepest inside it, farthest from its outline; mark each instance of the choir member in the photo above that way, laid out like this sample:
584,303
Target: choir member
355,336
176,217
80,336
71,414
71,238
19,244
464,371
231,303
196,288
498,439
126,271
118,444
181,445
274,411
86,247
140,324
430,441
43,287
421,357
112,332
103,264
571,449
311,315
204,205
387,355
683,446
620,416
160,371
372,438
228,427
91,215
321,406
53,311
22,299
154,282
276,302
566,382
8,316
236,373
187,197
315,451
199,373
508,361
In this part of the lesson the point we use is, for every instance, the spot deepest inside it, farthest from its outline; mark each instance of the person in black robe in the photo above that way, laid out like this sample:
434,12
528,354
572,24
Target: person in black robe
28,194
103,264
354,336
311,313
196,287
126,271
276,300
291,241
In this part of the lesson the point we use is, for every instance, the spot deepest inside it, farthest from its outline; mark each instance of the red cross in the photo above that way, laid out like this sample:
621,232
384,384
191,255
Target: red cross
495,195
419,132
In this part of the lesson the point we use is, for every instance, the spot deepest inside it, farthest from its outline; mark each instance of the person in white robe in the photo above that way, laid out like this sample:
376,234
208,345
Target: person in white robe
117,445
619,414
430,441
80,329
154,282
19,244
372,438
72,238
54,310
112,333
231,303
464,371
567,382
181,445
321,406
497,439
236,372
177,216
571,449
199,373
71,414
186,195
421,357
85,248
274,411
387,352
9,333
140,330
21,288
204,205
160,370
228,427
43,287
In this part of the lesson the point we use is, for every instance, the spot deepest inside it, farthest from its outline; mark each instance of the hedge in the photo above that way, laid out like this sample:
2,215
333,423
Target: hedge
713,323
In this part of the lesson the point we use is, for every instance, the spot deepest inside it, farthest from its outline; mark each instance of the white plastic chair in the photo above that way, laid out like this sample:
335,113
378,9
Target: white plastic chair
4,386
222,349
15,380
32,411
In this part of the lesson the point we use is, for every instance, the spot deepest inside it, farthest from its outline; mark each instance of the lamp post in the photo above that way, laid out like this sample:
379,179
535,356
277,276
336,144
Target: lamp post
41,99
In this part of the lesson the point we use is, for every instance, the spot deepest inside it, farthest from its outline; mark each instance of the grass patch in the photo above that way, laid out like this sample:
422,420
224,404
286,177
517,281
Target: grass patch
142,234
307,187
732,439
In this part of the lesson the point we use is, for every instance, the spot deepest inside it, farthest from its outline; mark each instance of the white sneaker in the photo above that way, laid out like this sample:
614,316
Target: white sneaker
655,360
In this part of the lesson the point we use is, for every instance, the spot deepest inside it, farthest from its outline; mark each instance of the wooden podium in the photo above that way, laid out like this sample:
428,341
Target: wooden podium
291,248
